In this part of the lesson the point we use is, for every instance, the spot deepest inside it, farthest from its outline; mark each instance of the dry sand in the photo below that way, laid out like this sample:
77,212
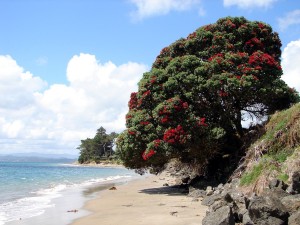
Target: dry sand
144,202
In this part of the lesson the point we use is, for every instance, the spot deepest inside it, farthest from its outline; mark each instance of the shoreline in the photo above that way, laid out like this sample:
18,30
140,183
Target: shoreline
69,205
139,200
101,165
62,202
145,201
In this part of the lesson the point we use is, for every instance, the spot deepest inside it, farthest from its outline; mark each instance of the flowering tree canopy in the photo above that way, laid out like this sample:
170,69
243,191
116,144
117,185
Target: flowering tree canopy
198,89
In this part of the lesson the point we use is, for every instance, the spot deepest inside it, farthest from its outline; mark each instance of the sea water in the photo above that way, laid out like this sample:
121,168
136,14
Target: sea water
29,189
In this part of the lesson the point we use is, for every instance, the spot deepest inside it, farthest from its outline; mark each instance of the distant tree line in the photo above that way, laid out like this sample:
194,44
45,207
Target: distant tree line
98,148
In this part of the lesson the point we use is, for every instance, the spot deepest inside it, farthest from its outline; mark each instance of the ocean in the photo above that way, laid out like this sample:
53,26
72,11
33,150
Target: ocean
28,190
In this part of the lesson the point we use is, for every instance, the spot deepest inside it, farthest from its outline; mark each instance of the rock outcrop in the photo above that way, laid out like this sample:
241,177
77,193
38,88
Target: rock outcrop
276,205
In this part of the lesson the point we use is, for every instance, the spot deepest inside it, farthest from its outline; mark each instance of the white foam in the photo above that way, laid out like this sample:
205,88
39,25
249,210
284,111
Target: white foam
34,206
30,206
2,218
24,208
53,191
103,180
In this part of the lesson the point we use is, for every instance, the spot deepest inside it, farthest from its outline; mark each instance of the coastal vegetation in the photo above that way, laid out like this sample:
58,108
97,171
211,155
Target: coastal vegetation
191,104
186,119
99,148
275,155
265,187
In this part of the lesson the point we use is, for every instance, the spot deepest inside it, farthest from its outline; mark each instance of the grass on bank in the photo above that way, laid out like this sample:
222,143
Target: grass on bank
276,153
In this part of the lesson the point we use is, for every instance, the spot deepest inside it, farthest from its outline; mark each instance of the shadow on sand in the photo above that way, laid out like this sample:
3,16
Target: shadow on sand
175,190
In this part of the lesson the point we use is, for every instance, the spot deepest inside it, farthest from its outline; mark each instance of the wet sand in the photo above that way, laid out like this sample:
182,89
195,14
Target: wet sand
144,201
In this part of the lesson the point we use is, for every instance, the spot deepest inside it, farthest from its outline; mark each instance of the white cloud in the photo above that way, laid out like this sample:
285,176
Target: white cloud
291,18
148,8
13,129
39,117
244,4
16,85
290,64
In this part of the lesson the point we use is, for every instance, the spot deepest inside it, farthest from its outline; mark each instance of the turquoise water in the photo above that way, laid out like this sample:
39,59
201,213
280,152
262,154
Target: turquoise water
27,189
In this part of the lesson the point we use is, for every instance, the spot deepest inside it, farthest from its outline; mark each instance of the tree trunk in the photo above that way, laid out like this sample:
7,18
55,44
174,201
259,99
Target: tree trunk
238,123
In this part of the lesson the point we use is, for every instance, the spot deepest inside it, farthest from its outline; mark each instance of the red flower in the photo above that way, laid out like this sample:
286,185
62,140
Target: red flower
230,23
258,67
254,42
146,155
259,58
177,107
175,136
157,142
201,122
247,69
219,55
146,93
261,25
241,54
223,94
133,102
185,105
153,80
165,119
144,123
192,35
131,132
165,110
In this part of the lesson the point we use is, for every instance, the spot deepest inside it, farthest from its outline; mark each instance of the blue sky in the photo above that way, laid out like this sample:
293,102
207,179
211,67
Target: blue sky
68,67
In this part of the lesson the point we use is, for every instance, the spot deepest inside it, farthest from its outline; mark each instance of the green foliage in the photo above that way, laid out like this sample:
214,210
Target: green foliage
283,176
191,100
98,148
269,164
283,131
281,156
252,176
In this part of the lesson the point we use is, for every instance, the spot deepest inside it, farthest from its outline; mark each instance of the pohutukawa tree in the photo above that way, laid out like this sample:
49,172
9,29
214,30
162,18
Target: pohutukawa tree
198,89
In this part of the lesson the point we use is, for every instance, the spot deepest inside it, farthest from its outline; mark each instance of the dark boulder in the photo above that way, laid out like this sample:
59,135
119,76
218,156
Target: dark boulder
209,200
271,221
222,216
217,204
264,209
236,201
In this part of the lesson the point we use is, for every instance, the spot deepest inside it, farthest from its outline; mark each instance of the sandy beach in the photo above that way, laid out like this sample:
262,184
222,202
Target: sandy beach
144,201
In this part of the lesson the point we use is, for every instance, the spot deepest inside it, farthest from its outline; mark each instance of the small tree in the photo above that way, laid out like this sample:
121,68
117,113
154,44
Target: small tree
101,146
86,150
194,96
